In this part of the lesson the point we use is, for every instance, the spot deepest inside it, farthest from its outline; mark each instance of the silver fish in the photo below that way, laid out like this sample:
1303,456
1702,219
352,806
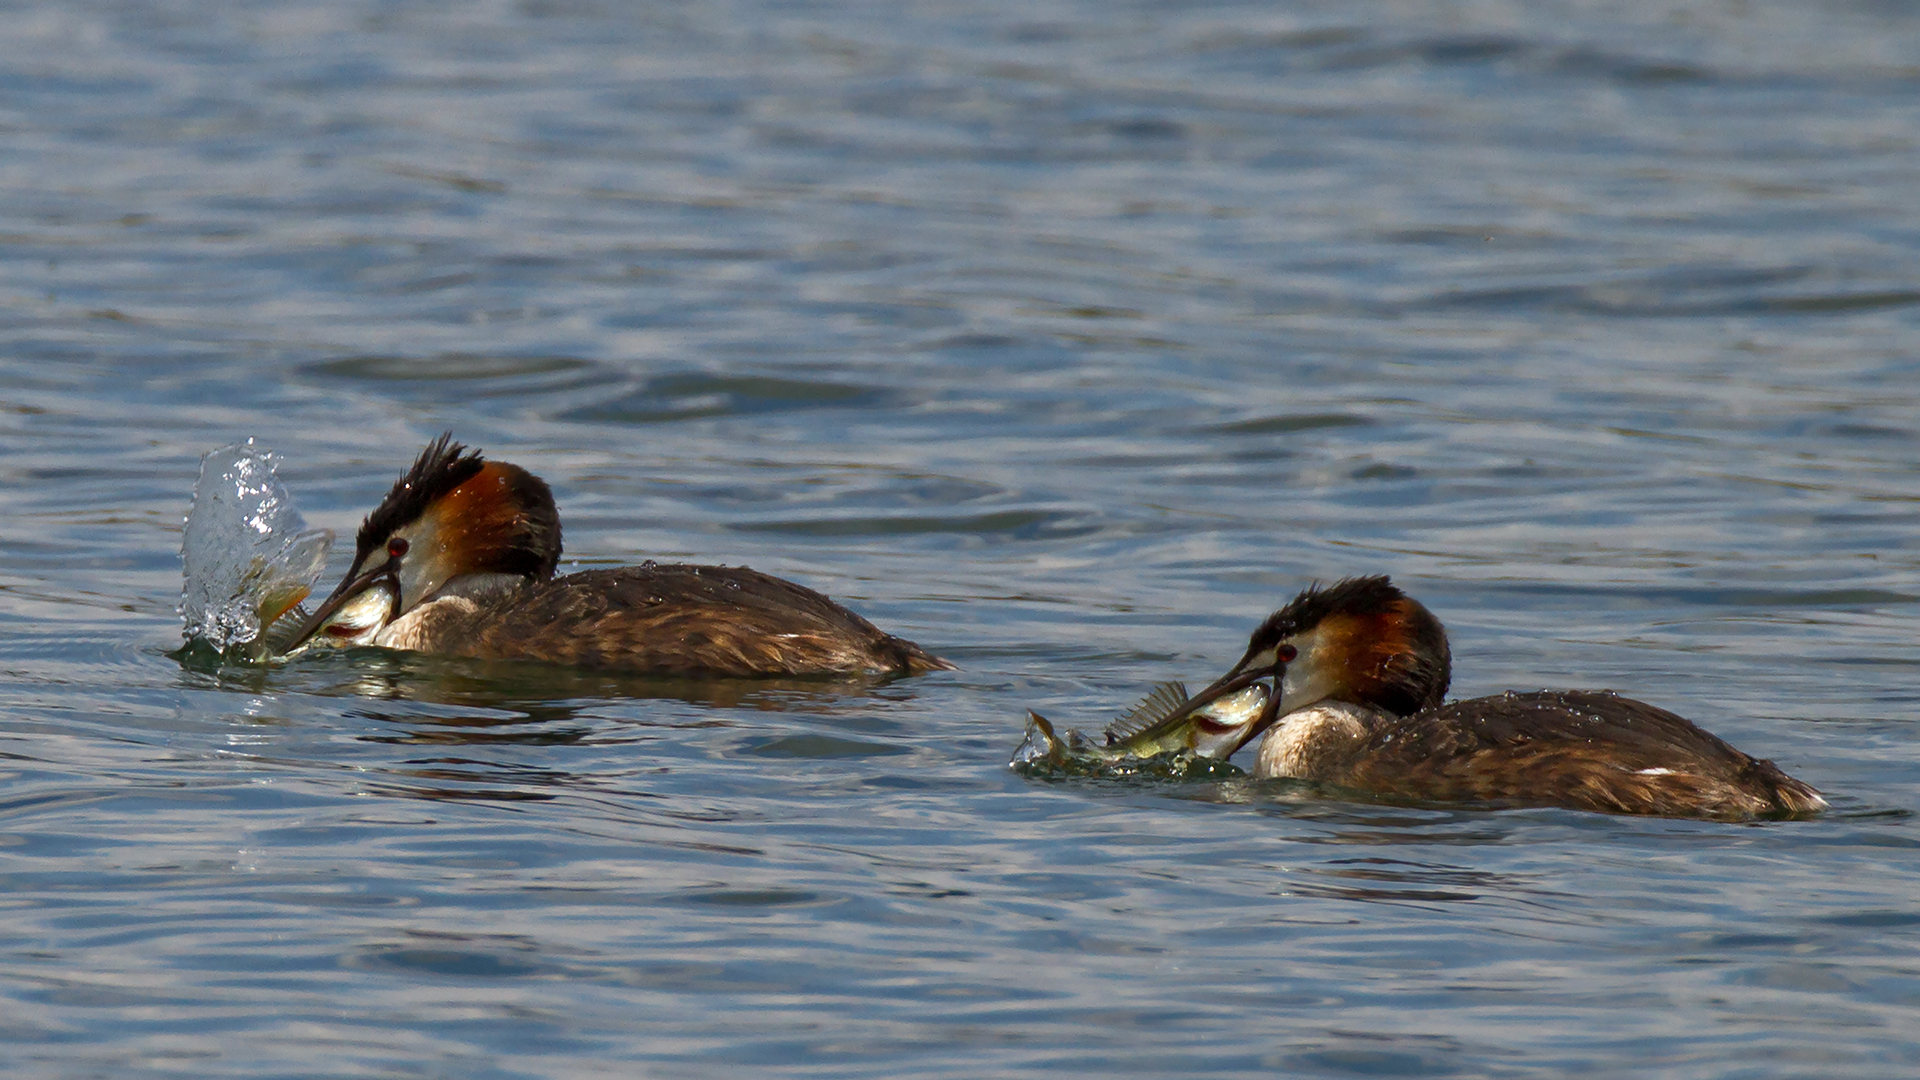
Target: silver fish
1160,735
355,622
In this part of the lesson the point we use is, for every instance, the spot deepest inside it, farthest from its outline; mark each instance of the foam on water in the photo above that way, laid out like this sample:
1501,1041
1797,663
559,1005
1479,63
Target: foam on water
247,556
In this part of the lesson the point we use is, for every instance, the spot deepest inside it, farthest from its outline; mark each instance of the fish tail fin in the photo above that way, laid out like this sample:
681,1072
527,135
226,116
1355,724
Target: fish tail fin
1041,745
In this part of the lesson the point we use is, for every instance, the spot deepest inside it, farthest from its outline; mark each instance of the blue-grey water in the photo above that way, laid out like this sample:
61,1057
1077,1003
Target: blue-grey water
1066,338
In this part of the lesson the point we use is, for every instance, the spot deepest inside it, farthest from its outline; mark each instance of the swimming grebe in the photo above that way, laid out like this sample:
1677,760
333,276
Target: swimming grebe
1361,673
459,559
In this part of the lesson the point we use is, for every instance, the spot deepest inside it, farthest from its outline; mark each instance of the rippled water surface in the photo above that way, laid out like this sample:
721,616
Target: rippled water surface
1065,338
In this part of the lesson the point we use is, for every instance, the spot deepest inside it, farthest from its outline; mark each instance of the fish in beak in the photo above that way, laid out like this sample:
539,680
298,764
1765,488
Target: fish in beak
358,610
454,523
1359,639
1232,712
1166,729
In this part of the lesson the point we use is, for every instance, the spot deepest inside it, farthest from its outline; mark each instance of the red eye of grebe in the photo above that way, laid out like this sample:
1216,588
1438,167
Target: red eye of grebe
1285,654
396,547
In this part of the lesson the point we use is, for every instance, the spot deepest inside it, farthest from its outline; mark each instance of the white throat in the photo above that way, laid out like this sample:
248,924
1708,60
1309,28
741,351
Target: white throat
1315,743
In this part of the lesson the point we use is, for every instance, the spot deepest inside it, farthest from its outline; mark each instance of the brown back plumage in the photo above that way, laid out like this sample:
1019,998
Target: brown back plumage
1590,750
685,620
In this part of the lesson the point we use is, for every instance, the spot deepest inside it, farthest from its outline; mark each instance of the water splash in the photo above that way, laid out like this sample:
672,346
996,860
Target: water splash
248,557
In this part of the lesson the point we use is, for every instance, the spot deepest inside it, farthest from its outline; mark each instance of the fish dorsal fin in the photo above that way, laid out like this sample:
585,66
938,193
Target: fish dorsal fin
1159,704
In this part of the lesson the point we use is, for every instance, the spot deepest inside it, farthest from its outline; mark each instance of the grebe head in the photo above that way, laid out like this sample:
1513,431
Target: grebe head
1359,640
454,520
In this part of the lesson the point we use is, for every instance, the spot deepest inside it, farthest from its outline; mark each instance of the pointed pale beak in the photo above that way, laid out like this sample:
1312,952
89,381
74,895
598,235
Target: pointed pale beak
387,573
1252,668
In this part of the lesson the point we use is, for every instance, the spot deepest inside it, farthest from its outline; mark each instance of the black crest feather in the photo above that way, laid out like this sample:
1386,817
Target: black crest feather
441,467
1353,596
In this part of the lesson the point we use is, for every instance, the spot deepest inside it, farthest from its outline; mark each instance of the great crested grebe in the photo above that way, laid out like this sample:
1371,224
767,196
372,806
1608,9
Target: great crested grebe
1361,672
459,557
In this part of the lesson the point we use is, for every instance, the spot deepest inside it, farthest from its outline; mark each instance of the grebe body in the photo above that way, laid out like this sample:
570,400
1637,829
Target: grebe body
1361,673
459,559
1583,749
